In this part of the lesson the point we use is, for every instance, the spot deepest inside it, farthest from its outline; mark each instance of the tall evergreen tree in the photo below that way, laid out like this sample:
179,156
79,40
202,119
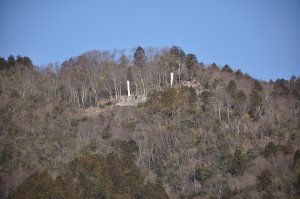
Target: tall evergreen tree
177,53
191,61
140,57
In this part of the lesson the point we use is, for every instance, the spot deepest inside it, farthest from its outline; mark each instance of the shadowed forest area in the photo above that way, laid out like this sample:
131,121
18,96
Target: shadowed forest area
215,133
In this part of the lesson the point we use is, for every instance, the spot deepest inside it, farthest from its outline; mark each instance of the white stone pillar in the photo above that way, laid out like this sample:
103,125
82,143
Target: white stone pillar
128,88
172,77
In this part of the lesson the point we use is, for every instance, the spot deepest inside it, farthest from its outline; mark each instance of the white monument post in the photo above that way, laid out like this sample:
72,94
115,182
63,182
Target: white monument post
128,88
172,74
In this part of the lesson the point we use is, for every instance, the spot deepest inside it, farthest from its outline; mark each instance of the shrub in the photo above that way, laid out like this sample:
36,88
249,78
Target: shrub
264,180
192,95
287,149
84,118
296,161
202,173
169,100
237,163
250,155
268,195
38,185
6,153
106,134
280,88
228,193
297,185
2,188
59,109
129,147
270,149
130,125
255,102
74,122
150,191
187,123
239,99
88,177
205,98
92,146
255,99
125,175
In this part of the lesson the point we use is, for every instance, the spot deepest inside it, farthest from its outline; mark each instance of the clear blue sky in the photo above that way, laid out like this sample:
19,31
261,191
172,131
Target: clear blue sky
261,37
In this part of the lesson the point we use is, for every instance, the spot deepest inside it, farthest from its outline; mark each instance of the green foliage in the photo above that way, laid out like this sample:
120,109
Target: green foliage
153,104
205,98
2,63
240,97
74,122
38,185
255,99
270,149
297,185
187,122
281,88
165,102
169,101
239,102
124,174
177,52
59,109
140,58
227,69
93,176
296,88
224,156
176,57
250,155
191,61
19,62
42,127
129,124
255,103
257,86
2,188
84,118
6,153
238,74
213,67
129,147
152,191
202,173
237,163
92,146
106,134
228,193
231,87
268,195
247,76
129,74
264,180
286,149
192,96
296,159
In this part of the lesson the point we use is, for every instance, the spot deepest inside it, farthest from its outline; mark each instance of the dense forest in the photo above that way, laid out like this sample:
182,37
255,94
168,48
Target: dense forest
215,133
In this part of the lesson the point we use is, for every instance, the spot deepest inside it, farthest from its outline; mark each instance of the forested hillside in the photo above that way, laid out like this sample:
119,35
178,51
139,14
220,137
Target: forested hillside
215,133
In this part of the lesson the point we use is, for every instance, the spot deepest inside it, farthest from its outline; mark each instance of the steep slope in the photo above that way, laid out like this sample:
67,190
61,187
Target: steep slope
215,133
